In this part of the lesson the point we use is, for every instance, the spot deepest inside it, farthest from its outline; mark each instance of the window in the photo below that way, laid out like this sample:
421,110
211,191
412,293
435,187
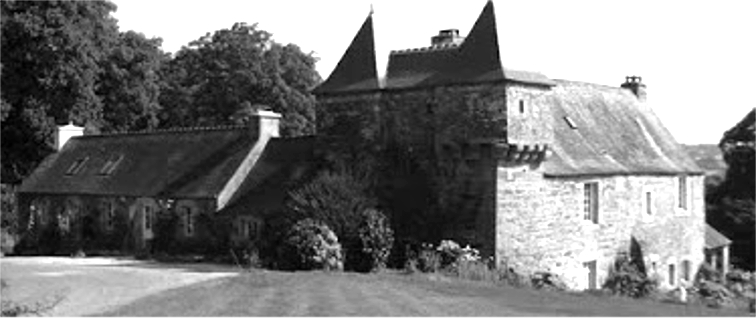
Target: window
671,278
76,166
648,203
188,221
522,106
590,202
590,268
109,215
570,122
251,230
682,192
110,165
147,217
685,268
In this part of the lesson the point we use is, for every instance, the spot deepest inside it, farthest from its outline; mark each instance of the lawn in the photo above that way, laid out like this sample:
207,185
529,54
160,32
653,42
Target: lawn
269,293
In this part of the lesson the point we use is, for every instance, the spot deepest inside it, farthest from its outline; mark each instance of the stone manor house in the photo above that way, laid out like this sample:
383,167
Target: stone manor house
554,175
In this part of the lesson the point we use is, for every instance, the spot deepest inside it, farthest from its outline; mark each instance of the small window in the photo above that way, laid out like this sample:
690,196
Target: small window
671,278
682,192
590,202
685,268
570,122
110,165
76,166
522,106
147,217
590,268
110,215
188,222
649,203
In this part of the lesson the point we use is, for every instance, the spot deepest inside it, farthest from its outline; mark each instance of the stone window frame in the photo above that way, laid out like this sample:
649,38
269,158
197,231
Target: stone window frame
648,204
688,200
148,217
685,272
109,215
591,202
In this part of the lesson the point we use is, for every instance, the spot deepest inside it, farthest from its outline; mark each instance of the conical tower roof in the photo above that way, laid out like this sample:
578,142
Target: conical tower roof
356,70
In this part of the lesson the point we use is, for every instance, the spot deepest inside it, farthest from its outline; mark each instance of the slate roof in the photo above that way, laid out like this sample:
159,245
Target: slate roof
194,163
285,164
715,239
476,60
356,70
615,135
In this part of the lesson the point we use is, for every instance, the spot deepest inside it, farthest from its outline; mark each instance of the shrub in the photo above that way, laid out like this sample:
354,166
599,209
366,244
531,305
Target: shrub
476,270
428,260
449,251
314,246
627,280
376,237
547,280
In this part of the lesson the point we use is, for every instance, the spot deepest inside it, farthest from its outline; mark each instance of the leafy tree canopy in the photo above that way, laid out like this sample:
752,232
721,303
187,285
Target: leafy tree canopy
219,76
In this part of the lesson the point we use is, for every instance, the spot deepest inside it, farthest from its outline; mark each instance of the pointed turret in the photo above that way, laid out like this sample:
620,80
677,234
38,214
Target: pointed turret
356,70
478,57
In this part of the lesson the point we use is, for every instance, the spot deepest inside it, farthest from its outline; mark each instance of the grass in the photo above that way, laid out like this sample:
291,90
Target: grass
268,293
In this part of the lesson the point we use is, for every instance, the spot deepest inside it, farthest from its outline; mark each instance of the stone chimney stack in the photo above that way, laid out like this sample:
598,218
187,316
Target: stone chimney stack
635,85
444,37
64,133
267,123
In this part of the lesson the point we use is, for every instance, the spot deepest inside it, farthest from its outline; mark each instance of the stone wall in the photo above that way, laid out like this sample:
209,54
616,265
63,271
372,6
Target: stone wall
540,224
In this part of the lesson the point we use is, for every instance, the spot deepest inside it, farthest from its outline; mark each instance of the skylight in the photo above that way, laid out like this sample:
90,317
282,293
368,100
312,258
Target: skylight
570,122
110,165
76,166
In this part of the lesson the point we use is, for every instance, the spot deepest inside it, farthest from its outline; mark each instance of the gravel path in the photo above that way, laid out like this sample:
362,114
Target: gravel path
93,285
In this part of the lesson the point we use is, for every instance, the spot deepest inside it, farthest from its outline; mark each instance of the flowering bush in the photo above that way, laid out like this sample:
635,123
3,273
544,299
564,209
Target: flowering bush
376,237
315,246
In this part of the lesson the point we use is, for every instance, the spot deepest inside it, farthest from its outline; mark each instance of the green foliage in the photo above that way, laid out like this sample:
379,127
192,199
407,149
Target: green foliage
626,279
218,76
51,58
731,206
312,245
9,218
377,238
336,198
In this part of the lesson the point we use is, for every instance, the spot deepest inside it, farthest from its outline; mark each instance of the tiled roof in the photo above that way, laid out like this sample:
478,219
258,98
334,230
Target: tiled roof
614,134
184,163
715,239
283,166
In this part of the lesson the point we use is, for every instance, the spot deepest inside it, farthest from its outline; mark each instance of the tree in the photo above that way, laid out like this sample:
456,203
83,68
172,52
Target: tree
50,67
131,82
731,204
219,75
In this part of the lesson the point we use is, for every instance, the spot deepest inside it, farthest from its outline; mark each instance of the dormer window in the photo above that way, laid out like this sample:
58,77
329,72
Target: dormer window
569,122
76,166
110,165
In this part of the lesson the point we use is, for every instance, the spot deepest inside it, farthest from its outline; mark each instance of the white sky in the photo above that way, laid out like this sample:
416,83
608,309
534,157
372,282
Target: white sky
697,58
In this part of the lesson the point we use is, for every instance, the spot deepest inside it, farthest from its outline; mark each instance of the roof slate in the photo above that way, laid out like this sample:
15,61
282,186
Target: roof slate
615,134
178,164
283,166
715,239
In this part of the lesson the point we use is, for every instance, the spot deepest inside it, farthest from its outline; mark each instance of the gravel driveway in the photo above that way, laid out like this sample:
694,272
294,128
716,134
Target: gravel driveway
92,285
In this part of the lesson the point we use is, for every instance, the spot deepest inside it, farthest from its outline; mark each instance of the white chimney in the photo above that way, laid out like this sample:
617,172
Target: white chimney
64,133
268,122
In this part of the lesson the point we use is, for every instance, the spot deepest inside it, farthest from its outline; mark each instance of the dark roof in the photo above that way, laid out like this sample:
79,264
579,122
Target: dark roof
284,165
615,134
715,239
190,163
356,70
476,60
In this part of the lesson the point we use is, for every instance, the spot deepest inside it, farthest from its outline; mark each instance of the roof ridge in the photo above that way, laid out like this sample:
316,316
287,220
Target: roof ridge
586,83
171,130
440,47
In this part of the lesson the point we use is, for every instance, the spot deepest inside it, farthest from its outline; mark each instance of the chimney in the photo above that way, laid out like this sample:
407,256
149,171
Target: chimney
444,37
267,123
635,85
64,133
